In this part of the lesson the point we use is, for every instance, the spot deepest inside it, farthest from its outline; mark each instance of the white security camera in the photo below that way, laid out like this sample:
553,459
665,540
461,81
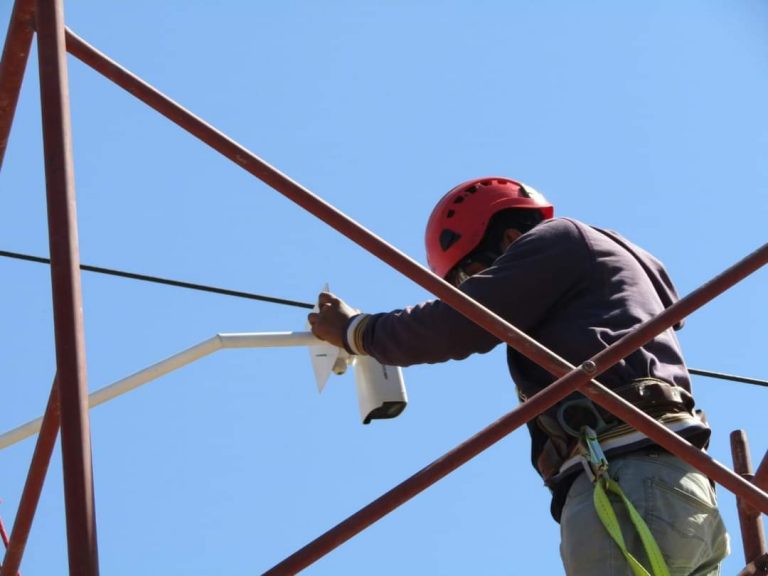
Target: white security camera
380,389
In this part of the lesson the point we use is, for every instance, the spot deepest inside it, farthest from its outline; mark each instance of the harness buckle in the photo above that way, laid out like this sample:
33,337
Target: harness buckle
593,458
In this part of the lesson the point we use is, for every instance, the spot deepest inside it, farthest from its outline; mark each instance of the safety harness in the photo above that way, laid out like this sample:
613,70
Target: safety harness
578,432
670,405
596,466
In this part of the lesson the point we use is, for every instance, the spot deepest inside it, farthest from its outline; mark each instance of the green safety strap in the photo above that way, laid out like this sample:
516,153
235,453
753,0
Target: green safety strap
604,484
607,516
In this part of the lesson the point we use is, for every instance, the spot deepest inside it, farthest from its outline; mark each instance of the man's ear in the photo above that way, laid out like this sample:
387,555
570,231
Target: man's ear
509,237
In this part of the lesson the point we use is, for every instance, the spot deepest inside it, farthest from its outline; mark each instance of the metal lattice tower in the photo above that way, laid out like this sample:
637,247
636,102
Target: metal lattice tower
44,19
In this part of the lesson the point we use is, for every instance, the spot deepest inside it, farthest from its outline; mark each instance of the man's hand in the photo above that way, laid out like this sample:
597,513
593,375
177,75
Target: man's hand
330,323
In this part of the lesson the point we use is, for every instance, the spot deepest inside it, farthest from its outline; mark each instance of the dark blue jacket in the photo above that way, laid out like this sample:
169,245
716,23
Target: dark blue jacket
574,288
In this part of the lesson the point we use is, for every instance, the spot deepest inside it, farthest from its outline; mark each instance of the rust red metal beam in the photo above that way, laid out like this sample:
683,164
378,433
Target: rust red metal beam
761,476
750,521
672,442
534,406
497,326
3,533
67,295
33,487
450,295
18,42
757,568
307,200
4,536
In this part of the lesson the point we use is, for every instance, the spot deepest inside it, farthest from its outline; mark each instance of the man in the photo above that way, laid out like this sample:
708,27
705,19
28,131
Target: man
575,289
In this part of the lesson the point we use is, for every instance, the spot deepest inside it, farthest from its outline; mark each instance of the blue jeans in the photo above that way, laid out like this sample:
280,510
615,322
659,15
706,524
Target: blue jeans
675,500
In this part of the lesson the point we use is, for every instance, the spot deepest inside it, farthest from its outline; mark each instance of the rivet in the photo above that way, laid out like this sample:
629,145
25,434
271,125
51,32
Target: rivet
589,367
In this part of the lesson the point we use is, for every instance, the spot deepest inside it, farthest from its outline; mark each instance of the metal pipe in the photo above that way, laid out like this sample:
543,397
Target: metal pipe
761,476
757,568
33,486
497,326
384,252
18,43
429,475
750,521
676,445
67,295
120,387
155,371
669,440
523,413
314,205
4,536
268,339
3,533
304,198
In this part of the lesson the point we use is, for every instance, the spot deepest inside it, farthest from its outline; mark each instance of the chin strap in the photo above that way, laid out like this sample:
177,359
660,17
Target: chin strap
596,466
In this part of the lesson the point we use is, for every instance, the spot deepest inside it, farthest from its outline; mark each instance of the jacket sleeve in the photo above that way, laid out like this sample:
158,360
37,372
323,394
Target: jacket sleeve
522,286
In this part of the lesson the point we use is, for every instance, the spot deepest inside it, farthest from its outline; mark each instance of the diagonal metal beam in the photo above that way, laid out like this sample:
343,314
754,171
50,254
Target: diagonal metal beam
33,486
757,568
67,294
390,255
678,446
4,537
534,406
313,204
18,42
761,476
750,520
480,315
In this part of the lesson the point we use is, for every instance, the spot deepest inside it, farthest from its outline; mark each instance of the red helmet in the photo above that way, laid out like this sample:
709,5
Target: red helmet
458,222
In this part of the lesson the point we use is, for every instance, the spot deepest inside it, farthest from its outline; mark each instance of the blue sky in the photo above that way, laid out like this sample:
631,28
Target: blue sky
645,117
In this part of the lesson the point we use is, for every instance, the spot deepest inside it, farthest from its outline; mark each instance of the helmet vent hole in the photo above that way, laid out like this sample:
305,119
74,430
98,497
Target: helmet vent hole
459,200
450,213
448,238
471,190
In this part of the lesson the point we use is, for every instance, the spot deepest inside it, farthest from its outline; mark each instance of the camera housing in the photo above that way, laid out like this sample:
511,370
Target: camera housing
380,389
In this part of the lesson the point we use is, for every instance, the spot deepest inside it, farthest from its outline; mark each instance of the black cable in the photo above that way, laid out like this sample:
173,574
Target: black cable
728,377
306,305
166,281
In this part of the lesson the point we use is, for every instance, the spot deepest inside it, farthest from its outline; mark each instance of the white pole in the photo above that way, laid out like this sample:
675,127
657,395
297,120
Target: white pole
244,340
268,339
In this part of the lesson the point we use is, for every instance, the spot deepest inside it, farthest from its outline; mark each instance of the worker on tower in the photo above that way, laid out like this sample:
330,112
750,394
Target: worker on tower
576,289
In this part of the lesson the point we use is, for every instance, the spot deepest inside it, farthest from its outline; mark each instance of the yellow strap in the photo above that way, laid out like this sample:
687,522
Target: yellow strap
608,518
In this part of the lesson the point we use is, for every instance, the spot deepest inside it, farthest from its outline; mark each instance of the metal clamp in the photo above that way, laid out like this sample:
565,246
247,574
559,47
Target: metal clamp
594,461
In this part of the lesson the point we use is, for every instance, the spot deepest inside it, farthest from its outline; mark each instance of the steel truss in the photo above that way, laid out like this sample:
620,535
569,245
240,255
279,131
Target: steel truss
67,406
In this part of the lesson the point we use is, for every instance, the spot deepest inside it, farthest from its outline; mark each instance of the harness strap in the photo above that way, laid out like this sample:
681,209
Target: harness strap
597,466
562,424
